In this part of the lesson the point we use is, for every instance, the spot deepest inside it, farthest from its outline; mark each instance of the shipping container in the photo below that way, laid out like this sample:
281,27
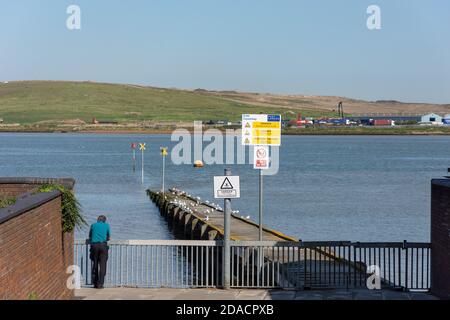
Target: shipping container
382,122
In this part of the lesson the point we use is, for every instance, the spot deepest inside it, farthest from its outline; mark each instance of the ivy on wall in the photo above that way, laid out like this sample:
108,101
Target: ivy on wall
71,214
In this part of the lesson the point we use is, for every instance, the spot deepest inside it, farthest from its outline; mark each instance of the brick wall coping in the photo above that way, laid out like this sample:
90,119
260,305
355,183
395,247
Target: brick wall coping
66,182
25,203
441,182
28,201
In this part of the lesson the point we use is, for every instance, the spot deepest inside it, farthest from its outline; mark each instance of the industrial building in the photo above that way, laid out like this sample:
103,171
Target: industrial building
431,118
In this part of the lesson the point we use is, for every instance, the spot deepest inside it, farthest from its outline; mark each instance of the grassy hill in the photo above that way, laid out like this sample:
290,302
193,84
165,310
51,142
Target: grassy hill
28,102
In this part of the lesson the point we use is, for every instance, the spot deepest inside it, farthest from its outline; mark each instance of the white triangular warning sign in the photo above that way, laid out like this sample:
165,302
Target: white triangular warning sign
226,185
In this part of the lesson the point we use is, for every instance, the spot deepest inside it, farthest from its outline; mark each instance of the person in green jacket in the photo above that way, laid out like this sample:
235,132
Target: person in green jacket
99,235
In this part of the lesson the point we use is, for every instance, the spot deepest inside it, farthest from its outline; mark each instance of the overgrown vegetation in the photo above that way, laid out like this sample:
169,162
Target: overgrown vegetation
7,202
71,209
44,102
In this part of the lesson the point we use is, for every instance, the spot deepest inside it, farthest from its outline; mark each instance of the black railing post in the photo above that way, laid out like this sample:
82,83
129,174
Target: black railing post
355,264
305,253
87,263
406,263
349,264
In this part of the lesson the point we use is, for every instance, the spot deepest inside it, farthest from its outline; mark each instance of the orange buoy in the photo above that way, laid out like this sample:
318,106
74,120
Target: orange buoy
198,164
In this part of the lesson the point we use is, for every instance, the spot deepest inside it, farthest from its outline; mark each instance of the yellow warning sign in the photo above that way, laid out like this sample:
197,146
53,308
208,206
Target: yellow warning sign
142,146
266,125
164,152
266,132
261,129
266,141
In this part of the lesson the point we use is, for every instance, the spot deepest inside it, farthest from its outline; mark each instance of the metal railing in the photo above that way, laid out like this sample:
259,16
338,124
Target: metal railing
156,263
330,264
262,264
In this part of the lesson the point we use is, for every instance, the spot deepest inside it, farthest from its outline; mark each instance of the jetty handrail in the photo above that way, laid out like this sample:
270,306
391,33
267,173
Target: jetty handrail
262,264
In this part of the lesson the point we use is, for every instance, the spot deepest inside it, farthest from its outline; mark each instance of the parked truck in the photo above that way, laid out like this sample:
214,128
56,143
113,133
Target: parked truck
383,122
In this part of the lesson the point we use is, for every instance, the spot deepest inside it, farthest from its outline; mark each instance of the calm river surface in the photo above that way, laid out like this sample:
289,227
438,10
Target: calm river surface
360,188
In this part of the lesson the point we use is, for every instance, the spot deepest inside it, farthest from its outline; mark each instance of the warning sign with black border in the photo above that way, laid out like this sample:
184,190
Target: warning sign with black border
227,187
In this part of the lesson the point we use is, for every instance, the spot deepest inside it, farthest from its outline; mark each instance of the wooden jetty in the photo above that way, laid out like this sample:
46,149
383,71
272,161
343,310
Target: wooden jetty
203,221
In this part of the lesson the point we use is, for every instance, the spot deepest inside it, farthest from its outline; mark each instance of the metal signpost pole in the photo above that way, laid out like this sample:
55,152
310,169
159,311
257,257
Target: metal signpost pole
142,171
226,248
133,155
164,155
142,148
260,204
260,253
163,173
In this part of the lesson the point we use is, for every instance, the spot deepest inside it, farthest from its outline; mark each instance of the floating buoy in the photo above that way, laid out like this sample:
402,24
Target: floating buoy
198,164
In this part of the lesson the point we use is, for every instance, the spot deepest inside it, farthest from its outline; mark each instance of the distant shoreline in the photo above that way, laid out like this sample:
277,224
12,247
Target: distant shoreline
315,131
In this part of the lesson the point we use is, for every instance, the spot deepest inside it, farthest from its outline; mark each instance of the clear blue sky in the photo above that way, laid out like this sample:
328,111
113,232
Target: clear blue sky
286,46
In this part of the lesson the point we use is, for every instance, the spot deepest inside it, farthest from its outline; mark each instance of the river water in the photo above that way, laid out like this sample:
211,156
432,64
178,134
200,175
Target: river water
359,188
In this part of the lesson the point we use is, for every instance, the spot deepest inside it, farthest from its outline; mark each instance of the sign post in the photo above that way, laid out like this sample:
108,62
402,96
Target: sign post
164,154
261,162
133,147
261,131
142,148
226,187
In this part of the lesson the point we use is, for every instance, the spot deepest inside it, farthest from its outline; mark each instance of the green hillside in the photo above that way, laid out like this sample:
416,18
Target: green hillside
34,101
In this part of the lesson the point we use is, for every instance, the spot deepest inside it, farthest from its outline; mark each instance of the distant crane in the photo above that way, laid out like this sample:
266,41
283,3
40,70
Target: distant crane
341,110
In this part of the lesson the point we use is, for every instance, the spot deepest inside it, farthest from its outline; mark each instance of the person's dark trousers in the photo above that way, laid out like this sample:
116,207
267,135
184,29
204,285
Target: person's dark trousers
99,257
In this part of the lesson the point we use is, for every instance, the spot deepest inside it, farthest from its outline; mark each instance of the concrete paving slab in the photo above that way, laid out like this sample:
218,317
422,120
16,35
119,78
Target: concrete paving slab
243,294
304,295
396,295
251,295
338,296
212,295
422,296
368,296
280,295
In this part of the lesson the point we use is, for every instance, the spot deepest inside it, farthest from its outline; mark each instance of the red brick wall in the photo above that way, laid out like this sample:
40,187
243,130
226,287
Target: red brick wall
12,187
440,238
34,254
13,190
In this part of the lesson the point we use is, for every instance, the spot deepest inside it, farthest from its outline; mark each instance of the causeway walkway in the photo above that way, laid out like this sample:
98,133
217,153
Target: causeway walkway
245,294
242,229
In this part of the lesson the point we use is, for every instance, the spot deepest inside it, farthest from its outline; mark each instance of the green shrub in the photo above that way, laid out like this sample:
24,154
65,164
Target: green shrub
7,202
70,207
